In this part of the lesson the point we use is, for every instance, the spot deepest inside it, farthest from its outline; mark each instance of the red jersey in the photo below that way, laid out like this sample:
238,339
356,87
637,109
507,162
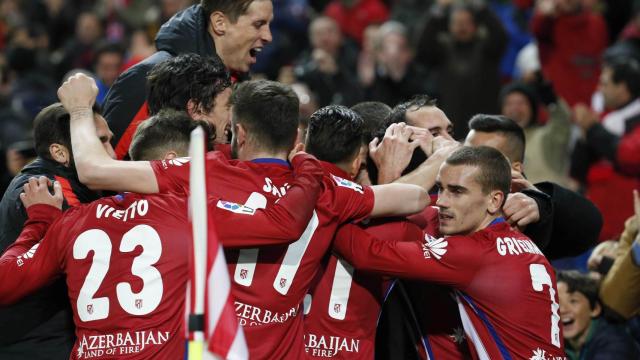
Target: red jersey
126,265
342,307
269,283
504,286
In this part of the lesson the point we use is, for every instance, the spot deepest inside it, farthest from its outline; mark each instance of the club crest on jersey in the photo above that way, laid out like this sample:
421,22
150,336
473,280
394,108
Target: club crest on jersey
348,184
27,255
433,246
236,208
539,354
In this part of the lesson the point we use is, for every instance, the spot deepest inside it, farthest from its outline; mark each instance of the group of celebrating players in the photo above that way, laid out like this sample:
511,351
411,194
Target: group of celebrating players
312,247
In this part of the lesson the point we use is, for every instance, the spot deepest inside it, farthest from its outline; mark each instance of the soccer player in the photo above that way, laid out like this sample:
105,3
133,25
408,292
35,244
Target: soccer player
269,283
505,288
342,306
129,296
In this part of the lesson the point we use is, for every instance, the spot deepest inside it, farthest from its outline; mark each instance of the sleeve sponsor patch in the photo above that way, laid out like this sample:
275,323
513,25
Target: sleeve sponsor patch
236,208
348,184
175,162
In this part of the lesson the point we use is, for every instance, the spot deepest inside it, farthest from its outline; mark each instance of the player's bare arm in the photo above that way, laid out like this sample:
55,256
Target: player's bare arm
398,200
95,168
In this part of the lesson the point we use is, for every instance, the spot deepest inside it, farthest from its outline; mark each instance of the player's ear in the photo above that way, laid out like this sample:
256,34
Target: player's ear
169,155
192,109
495,199
241,134
597,309
355,166
218,22
517,166
60,154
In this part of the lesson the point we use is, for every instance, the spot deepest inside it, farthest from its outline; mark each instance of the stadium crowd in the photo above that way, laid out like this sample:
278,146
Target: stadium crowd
414,179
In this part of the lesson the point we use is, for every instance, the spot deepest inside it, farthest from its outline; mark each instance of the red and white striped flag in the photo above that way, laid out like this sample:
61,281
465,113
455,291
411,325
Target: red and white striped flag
210,289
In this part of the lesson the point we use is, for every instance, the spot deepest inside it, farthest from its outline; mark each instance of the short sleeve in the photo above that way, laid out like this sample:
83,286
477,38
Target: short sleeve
172,175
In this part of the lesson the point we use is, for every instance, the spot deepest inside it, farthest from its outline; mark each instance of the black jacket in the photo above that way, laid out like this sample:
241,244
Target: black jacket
40,326
185,32
607,341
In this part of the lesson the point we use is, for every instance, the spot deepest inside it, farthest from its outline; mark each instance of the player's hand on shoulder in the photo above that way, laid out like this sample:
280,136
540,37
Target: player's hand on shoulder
36,191
304,163
521,210
78,92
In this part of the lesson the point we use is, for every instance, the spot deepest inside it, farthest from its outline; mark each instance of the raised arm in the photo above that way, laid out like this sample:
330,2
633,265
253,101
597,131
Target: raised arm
95,168
280,223
29,263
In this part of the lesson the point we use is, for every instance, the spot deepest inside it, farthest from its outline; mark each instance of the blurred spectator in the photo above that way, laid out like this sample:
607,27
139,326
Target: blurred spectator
570,42
329,67
108,62
140,47
19,155
620,290
547,152
30,90
515,17
290,37
412,13
78,52
353,16
367,57
610,149
397,76
464,49
587,334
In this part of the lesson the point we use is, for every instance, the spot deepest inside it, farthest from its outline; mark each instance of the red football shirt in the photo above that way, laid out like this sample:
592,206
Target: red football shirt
269,283
505,288
342,308
126,264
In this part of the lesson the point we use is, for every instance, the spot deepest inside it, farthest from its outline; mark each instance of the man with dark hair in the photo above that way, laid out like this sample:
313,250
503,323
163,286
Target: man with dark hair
199,85
264,127
107,62
330,311
166,135
588,334
334,135
484,128
235,30
158,225
41,323
374,114
567,207
477,245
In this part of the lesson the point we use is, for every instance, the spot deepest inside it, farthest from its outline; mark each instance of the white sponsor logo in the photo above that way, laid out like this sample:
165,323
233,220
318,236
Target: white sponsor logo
27,255
175,162
433,246
250,315
118,344
329,346
235,208
347,184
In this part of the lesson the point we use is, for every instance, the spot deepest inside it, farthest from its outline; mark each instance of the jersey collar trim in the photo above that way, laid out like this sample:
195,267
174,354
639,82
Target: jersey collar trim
271,161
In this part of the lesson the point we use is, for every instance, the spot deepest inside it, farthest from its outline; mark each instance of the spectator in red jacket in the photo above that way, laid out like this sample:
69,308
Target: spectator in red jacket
570,41
608,156
354,16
